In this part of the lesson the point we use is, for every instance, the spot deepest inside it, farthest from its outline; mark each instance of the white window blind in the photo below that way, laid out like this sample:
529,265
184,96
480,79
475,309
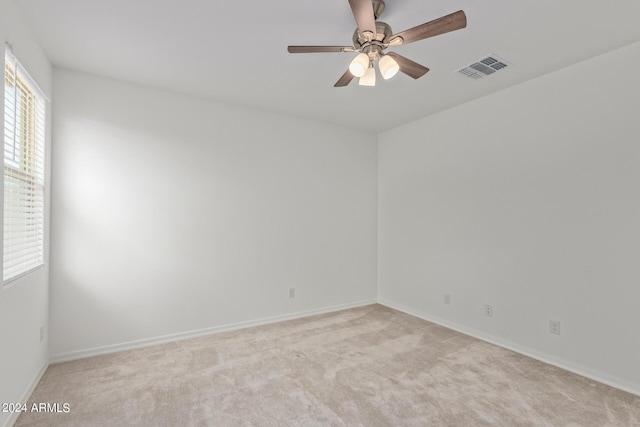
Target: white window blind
24,135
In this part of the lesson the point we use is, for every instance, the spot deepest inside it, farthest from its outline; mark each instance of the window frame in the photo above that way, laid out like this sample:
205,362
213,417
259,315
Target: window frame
24,178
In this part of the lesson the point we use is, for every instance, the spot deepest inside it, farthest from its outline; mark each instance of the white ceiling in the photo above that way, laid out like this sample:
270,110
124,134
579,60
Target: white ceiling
236,51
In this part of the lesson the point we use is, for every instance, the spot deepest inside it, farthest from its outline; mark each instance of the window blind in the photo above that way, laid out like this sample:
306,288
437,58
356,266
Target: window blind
24,136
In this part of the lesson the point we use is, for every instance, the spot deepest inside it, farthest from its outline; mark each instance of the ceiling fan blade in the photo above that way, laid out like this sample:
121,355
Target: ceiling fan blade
363,14
319,49
407,66
451,22
344,80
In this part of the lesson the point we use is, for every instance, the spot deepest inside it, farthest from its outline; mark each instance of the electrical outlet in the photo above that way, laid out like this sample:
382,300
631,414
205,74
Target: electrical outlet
554,327
292,292
447,299
41,333
488,310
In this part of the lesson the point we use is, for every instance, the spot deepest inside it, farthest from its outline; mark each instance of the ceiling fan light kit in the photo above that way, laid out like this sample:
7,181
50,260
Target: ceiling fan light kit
388,67
359,65
372,37
369,78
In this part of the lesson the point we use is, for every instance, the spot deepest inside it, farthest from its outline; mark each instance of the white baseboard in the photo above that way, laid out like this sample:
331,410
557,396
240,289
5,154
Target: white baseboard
27,394
562,364
98,351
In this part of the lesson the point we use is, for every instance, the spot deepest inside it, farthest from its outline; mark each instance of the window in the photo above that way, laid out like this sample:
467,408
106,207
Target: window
24,135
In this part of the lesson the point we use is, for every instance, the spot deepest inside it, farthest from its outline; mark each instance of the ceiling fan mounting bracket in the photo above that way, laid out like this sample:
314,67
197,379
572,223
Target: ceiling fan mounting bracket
378,8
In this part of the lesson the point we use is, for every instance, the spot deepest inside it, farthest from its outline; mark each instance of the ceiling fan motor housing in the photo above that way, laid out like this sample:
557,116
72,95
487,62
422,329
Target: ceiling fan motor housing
383,30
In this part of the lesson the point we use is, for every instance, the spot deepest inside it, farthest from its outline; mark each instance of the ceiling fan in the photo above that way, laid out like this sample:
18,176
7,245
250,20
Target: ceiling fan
372,37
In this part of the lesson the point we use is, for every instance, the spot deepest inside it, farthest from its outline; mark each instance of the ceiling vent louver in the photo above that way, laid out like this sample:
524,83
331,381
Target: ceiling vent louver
483,67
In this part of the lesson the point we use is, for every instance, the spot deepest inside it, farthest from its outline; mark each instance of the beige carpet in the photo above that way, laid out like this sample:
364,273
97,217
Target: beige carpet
369,366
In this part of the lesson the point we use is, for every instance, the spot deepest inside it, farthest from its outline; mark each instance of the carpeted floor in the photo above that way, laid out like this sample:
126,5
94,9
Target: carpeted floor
369,366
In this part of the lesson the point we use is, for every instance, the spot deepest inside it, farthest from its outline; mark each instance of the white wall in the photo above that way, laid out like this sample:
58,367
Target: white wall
528,200
172,214
23,303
